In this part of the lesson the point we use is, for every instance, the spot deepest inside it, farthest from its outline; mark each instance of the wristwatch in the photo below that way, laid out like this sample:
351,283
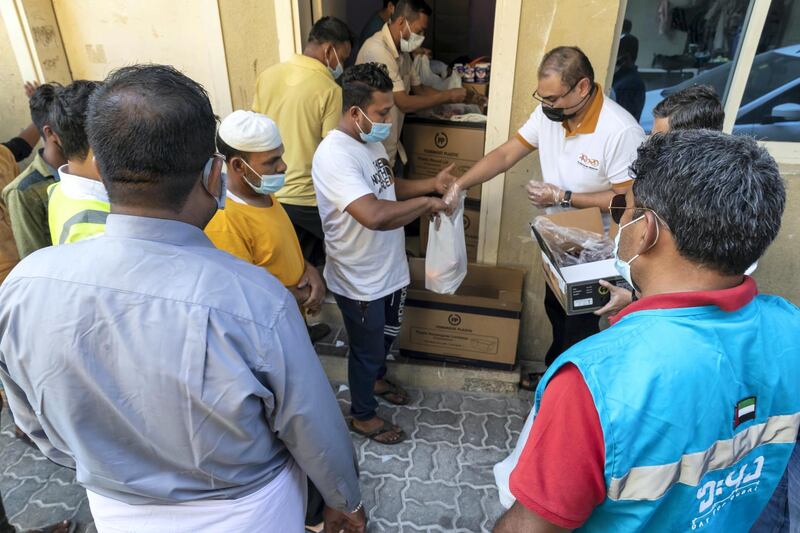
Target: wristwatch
567,200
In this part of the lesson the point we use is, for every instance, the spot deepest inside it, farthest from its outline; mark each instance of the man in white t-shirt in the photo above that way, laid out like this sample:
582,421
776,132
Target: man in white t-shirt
586,144
363,210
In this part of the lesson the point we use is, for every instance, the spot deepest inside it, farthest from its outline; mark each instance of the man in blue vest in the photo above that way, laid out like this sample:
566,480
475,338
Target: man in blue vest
683,414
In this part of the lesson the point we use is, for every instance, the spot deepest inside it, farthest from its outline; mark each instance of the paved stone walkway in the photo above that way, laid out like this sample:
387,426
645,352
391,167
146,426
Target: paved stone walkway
439,480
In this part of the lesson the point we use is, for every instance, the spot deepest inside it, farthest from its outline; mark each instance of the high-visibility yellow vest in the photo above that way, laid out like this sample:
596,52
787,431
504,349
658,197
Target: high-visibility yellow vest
73,220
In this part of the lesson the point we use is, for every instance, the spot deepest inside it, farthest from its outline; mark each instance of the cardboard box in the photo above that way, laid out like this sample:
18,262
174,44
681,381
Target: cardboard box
431,145
472,220
577,286
478,325
480,88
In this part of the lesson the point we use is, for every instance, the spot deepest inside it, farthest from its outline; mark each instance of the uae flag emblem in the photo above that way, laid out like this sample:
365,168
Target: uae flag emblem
745,410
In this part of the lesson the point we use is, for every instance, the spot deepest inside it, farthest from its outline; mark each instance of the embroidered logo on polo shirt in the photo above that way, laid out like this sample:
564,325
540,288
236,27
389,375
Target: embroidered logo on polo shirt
588,162
745,410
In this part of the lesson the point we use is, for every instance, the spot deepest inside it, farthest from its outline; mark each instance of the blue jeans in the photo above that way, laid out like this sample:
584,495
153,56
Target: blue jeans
371,329
782,513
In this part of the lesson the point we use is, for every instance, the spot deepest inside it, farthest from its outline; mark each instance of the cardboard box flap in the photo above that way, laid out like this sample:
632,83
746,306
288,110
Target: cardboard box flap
589,219
484,286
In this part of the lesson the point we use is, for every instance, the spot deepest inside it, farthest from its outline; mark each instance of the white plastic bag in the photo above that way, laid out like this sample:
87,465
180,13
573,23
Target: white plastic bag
446,257
422,64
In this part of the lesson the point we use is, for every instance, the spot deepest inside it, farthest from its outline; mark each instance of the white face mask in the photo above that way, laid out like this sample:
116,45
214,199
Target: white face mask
624,267
223,178
335,72
413,42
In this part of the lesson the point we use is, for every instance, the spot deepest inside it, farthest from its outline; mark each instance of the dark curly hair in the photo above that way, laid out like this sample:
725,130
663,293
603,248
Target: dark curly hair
40,103
695,107
68,117
360,81
721,196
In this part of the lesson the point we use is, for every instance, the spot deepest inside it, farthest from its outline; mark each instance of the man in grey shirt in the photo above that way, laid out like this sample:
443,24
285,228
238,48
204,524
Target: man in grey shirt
178,381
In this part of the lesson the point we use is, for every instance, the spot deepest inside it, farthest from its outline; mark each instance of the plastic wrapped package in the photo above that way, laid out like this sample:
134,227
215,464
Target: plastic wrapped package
449,111
422,64
446,255
573,246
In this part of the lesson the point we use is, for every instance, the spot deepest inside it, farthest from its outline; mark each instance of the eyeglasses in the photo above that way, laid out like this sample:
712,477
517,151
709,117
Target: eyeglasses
551,100
619,204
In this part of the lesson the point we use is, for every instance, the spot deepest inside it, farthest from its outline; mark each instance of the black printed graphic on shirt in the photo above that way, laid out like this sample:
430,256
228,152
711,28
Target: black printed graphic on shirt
383,177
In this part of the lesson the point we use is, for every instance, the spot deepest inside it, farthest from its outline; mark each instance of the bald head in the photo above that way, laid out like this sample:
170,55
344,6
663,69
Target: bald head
567,62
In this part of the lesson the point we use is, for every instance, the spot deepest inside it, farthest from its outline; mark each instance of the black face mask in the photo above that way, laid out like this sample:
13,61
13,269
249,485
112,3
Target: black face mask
557,114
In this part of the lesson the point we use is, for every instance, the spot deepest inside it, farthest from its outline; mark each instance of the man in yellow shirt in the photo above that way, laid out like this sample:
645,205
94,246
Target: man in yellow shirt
253,226
302,97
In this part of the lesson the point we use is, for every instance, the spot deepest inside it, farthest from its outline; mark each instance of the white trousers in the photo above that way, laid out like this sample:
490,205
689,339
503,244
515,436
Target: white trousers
279,506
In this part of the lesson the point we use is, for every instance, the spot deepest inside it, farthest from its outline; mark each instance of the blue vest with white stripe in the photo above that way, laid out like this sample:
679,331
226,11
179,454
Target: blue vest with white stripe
684,450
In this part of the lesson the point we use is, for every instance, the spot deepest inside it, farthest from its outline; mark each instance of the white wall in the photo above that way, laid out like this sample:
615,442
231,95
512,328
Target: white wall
101,36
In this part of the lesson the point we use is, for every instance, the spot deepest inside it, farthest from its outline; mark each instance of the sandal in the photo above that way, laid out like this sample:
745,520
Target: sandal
385,428
401,397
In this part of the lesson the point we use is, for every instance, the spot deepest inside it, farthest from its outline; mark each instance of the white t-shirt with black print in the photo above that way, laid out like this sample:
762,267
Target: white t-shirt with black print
361,264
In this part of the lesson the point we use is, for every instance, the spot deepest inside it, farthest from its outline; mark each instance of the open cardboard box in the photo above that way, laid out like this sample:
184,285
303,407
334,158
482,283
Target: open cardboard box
479,324
577,286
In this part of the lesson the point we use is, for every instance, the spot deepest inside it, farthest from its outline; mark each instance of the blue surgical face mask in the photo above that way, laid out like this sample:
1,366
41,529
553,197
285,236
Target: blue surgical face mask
380,130
624,267
270,183
335,72
223,182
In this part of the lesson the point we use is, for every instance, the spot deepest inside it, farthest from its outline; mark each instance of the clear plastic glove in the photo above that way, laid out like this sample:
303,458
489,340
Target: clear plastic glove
543,194
620,298
452,198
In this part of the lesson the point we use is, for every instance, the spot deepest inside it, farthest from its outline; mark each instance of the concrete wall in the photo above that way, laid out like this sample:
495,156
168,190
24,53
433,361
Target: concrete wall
251,44
13,104
778,271
101,36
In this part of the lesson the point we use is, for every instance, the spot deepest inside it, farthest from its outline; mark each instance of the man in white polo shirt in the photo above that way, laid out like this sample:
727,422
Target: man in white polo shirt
586,143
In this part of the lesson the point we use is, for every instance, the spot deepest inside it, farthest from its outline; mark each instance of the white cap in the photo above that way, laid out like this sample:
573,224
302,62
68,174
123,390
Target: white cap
250,132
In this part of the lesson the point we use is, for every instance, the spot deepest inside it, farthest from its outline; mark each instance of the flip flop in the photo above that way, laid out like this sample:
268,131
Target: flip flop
396,390
385,428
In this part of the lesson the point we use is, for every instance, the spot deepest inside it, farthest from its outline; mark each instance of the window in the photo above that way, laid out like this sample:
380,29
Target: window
668,46
748,50
770,107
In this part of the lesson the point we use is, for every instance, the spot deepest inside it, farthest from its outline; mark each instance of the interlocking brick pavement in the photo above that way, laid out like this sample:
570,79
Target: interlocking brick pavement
439,480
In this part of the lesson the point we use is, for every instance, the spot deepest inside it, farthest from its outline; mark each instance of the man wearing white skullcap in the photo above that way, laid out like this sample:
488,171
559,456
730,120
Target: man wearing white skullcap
254,226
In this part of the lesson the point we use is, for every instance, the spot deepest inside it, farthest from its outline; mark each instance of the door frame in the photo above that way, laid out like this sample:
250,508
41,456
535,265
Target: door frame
293,20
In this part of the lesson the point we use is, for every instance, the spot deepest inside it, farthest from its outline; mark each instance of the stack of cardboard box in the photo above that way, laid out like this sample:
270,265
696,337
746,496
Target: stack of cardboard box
431,145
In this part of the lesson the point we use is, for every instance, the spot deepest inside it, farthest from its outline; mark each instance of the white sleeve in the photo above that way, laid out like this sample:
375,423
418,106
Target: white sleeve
339,179
529,132
621,152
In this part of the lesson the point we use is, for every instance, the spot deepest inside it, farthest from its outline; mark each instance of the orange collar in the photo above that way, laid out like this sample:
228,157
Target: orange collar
589,123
